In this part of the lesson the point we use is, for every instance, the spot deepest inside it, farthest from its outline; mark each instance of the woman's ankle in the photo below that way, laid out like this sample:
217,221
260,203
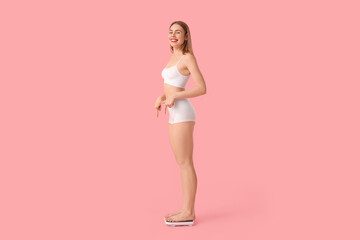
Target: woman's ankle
188,211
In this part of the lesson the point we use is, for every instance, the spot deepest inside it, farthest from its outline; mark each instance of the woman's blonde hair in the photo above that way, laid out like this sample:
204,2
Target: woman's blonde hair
187,46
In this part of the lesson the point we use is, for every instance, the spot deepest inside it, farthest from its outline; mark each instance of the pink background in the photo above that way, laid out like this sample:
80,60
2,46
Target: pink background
276,149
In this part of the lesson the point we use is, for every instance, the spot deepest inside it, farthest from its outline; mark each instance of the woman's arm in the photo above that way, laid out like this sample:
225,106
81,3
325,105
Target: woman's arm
198,78
194,92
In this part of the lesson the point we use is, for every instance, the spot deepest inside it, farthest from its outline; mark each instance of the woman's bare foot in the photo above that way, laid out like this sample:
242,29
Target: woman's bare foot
172,214
182,216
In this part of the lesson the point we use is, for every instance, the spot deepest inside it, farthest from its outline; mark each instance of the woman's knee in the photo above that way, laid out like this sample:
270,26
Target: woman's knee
185,161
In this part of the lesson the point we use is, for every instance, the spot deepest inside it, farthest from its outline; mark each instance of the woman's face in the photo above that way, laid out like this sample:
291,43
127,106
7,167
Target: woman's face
176,35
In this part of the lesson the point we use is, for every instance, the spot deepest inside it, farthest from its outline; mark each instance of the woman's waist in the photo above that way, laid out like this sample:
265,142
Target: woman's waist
169,91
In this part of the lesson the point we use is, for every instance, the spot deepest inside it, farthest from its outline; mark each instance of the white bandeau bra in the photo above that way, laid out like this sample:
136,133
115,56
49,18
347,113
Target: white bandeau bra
173,77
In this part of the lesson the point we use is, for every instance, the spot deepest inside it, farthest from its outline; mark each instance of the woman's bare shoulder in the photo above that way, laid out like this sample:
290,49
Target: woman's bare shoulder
189,57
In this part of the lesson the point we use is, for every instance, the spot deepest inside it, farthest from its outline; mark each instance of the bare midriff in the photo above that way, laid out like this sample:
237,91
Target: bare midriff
170,90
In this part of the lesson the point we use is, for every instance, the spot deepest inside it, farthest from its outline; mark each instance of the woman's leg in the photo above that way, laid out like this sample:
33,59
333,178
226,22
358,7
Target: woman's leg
181,141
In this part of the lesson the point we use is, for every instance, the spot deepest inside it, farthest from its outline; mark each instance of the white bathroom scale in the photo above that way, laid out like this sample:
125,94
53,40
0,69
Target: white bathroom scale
182,223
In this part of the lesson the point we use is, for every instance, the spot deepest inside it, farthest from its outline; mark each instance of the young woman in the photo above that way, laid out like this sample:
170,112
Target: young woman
182,115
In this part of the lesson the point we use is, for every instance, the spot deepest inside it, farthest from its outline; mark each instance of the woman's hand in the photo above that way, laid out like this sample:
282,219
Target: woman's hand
157,106
169,102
